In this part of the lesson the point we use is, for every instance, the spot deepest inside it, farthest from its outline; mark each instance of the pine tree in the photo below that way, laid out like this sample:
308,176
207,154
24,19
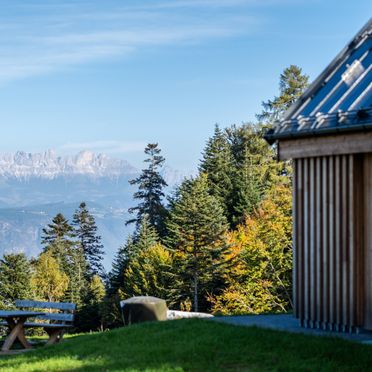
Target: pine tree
86,232
217,163
149,273
253,160
196,228
291,86
60,243
15,272
150,191
76,272
119,265
58,238
122,284
146,236
90,314
59,229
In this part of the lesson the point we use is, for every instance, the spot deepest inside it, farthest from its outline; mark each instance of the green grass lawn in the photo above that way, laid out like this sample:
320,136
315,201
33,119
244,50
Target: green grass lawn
194,345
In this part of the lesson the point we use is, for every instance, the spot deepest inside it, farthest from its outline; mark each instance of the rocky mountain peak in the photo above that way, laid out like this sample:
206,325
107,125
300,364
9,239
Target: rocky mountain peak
49,165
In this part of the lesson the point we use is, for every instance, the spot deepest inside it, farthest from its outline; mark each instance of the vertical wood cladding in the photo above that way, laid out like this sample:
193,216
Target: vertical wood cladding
328,242
368,240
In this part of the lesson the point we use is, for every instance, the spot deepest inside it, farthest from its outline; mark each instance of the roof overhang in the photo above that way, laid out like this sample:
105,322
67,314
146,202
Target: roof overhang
326,145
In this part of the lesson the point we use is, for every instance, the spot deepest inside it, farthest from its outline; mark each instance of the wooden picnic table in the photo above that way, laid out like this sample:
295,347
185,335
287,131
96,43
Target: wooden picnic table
15,320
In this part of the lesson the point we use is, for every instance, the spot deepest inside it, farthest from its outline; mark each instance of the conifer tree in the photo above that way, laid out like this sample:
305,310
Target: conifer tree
291,86
149,273
111,312
122,284
58,238
90,314
150,191
15,272
86,233
76,272
59,241
119,265
217,163
196,229
251,174
146,236
59,229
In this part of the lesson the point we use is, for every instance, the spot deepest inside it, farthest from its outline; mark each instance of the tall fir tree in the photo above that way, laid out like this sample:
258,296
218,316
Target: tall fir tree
59,229
60,241
217,163
90,314
76,272
86,233
291,86
251,172
196,228
122,284
58,238
150,191
146,235
145,238
15,273
120,264
149,273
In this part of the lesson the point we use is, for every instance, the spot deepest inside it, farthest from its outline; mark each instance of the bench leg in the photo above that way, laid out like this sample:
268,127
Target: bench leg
17,332
55,335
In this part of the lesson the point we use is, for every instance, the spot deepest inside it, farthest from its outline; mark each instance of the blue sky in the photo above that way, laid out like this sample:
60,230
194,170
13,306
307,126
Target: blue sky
111,76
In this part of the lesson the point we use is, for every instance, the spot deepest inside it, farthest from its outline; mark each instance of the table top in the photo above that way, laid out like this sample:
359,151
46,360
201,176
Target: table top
19,313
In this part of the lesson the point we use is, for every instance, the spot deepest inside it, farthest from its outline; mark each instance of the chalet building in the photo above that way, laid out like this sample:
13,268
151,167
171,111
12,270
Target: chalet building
328,134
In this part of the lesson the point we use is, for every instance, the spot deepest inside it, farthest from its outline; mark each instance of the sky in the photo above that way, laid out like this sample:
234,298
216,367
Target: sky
111,76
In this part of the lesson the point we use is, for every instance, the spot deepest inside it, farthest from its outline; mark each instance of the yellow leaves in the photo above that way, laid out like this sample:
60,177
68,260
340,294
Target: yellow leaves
146,273
261,279
97,288
48,281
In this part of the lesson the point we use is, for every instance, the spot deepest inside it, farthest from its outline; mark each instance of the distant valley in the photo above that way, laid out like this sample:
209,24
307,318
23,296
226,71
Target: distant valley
35,187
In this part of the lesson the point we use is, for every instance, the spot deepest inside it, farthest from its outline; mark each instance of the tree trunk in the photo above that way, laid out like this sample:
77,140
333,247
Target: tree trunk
196,305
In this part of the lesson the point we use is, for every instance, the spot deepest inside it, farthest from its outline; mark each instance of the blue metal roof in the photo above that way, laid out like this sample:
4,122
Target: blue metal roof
340,99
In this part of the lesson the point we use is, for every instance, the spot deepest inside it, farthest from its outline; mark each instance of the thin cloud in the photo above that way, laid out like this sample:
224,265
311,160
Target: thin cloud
37,40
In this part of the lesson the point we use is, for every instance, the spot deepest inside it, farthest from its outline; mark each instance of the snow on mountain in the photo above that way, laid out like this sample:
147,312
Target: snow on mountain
49,165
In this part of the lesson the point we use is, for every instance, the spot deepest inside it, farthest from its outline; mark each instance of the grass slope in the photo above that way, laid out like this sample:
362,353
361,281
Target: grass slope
194,345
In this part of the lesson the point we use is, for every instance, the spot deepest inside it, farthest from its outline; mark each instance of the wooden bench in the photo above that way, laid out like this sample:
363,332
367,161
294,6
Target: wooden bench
53,323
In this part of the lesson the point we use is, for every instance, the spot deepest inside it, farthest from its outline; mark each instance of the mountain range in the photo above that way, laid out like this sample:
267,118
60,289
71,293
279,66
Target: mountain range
34,187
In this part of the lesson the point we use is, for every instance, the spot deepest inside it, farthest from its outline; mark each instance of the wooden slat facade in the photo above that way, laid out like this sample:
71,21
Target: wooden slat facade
332,249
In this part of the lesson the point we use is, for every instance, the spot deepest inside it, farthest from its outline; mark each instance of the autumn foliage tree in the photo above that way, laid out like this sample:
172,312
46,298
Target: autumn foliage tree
261,281
148,272
49,281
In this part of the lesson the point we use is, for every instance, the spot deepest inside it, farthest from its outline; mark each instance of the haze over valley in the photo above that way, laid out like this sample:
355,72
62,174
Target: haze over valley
34,187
